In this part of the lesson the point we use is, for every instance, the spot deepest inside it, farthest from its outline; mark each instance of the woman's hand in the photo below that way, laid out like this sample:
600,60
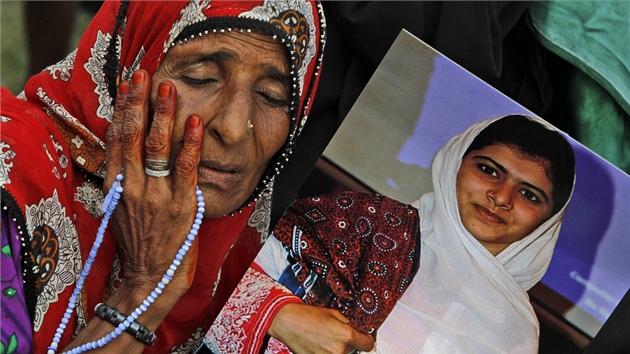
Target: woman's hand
309,329
155,214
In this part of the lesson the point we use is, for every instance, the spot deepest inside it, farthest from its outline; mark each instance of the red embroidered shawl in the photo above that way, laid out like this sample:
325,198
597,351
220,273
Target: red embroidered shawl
53,154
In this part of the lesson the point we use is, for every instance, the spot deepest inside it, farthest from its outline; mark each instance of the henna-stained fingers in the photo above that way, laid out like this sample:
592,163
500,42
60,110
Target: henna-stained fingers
158,142
187,160
113,138
134,127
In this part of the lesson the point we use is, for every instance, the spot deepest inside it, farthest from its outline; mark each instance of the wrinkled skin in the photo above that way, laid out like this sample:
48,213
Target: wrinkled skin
231,81
217,109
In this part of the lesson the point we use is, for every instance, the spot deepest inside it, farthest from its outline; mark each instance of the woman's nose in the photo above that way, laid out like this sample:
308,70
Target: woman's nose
233,122
501,195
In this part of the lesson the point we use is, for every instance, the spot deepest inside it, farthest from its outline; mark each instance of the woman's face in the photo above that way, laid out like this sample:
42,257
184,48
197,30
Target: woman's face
231,80
502,195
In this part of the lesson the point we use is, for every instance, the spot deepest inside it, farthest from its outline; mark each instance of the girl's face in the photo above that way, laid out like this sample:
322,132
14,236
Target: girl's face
503,195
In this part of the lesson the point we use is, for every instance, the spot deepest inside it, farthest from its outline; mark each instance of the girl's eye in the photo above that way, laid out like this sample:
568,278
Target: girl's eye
530,196
197,82
487,170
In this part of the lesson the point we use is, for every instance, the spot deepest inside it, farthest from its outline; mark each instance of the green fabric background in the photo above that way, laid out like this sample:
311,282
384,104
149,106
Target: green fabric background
594,36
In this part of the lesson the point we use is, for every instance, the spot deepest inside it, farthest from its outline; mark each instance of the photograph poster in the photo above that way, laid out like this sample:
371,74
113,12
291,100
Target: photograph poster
415,103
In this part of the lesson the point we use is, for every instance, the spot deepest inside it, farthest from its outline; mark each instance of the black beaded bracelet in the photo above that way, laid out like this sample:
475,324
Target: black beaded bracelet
115,317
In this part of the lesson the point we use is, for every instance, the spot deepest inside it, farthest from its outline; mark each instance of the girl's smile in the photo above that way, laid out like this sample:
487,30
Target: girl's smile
503,195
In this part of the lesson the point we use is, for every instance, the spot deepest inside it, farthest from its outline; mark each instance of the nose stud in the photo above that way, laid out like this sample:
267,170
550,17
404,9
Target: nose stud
250,126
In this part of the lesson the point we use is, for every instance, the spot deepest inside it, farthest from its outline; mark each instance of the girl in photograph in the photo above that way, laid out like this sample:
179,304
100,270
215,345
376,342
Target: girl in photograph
448,276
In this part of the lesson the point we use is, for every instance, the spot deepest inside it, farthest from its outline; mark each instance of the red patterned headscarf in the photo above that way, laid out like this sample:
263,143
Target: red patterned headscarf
53,146
127,36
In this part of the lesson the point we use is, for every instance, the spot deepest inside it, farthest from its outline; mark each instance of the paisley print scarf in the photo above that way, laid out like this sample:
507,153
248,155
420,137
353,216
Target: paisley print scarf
53,155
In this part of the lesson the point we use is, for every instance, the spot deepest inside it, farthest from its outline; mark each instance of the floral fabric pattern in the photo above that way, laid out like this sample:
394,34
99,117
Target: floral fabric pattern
6,155
242,324
361,249
52,159
51,230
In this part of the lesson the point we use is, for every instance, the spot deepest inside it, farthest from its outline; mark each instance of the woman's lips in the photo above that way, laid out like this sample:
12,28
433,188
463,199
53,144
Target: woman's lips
217,173
489,216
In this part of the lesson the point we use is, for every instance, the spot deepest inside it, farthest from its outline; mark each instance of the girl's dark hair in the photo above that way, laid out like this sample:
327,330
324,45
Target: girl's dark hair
533,139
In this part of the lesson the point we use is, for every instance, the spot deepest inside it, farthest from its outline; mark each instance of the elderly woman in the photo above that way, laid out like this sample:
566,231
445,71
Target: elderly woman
448,277
173,95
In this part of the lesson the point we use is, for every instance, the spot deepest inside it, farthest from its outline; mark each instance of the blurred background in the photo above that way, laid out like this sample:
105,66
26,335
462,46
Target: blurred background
53,39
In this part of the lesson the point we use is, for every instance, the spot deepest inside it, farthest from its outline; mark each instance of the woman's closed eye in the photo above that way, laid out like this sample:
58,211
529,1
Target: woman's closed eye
198,81
273,99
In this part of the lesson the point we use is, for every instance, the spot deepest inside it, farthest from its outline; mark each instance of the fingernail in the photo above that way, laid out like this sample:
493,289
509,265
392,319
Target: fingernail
194,121
164,91
123,89
137,78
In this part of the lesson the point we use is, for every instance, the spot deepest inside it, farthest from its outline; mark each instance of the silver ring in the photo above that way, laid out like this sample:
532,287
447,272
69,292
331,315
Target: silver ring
157,168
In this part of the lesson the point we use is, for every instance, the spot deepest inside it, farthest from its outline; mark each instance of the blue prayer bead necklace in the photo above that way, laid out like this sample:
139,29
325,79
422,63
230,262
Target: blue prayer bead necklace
109,205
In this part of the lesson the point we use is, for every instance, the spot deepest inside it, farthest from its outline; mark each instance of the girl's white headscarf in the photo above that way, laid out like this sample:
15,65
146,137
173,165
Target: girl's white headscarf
464,299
